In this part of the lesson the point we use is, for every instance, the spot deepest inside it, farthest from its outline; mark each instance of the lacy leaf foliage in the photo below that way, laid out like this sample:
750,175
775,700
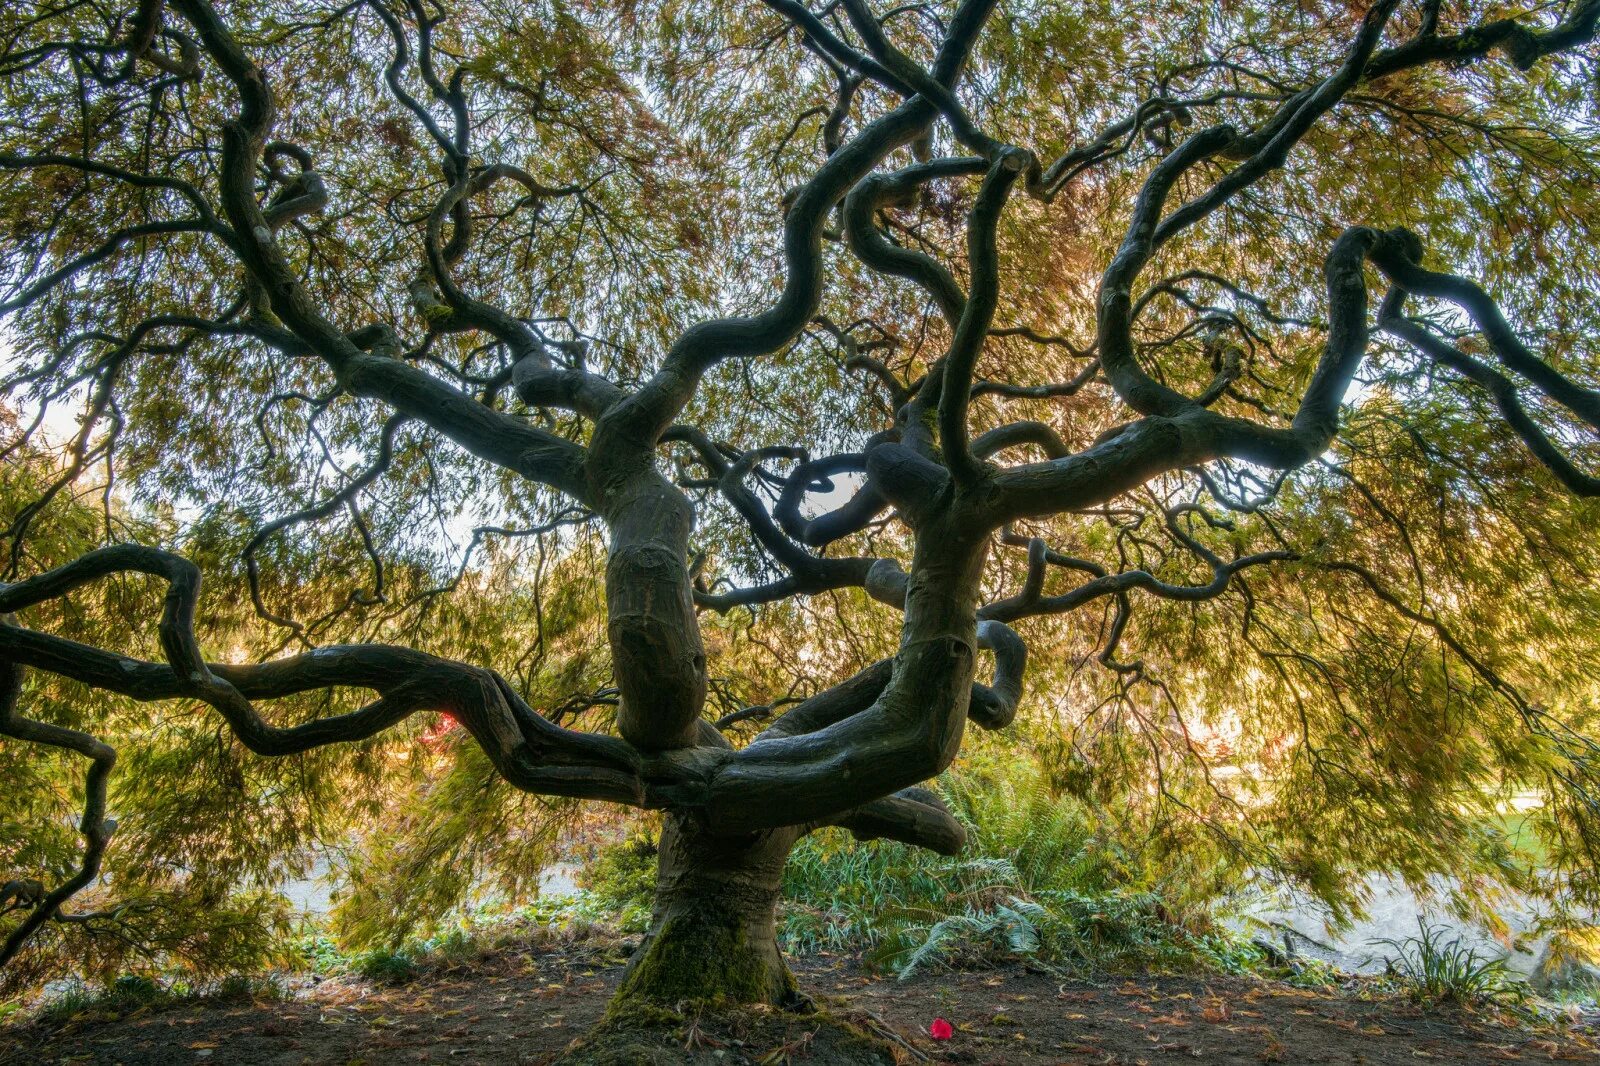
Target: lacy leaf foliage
395,319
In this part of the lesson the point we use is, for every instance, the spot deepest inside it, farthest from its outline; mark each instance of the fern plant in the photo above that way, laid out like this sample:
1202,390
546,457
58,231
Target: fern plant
1044,877
1012,928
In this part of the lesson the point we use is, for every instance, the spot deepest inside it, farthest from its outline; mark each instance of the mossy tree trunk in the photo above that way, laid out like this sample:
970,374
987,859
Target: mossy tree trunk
713,934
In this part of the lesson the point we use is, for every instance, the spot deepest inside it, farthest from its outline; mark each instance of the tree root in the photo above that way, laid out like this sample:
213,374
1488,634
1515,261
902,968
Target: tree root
636,1034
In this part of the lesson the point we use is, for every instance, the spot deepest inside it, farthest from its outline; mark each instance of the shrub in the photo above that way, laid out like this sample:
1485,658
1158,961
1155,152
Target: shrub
245,988
385,967
321,954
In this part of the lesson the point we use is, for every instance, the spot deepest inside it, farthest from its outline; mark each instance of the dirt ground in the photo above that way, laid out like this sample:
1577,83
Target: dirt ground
525,1005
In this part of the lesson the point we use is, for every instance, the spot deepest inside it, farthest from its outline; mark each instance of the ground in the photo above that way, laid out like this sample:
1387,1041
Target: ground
525,1004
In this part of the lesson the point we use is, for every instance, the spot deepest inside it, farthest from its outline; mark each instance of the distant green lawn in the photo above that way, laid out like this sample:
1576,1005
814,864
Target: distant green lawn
1518,828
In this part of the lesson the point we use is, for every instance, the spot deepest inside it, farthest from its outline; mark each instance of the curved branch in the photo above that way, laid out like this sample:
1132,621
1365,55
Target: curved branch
643,417
344,496
1522,45
869,244
994,706
976,315
851,517
1504,394
1031,601
94,826
100,253
913,815
1016,434
1130,455
1285,129
1398,259
497,437
531,752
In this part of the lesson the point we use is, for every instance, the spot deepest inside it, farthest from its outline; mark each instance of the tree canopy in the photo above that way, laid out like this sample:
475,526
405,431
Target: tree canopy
712,408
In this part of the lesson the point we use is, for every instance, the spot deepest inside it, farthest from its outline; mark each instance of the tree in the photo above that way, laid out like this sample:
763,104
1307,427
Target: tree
522,254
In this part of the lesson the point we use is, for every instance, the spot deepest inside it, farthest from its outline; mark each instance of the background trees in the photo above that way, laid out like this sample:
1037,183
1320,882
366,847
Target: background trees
438,338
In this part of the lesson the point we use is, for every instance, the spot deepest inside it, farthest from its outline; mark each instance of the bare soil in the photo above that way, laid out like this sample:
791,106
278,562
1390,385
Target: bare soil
526,1004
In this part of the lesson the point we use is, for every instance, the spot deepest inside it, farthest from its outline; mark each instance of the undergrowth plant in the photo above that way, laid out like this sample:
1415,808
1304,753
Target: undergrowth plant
1433,968
1045,876
137,993
621,878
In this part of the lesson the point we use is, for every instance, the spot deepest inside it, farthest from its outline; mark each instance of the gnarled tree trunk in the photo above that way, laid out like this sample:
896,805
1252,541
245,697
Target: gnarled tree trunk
713,933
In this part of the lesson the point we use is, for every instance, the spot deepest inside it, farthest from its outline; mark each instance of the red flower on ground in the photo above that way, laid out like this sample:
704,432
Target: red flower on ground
941,1029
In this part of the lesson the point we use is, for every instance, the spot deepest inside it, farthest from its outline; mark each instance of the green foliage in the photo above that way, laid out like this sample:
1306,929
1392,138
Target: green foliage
1314,973
166,934
576,912
122,996
319,953
385,967
249,988
1014,928
1430,968
622,878
1044,876
565,918
131,993
457,835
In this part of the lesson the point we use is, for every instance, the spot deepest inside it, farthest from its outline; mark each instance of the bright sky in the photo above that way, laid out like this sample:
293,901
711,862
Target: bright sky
61,420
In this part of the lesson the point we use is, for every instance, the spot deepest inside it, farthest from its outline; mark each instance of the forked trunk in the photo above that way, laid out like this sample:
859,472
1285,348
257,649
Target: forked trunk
713,934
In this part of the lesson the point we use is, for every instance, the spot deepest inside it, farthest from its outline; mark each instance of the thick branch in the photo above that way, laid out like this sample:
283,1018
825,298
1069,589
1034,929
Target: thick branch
529,751
95,827
914,816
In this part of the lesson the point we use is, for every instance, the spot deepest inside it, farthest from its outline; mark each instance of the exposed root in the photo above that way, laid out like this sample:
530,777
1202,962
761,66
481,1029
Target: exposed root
641,1035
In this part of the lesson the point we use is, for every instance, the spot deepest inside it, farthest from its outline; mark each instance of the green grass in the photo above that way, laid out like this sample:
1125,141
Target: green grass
1432,969
132,994
1517,828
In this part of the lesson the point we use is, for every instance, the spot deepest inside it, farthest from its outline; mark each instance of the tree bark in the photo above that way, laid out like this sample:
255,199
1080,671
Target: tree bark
713,934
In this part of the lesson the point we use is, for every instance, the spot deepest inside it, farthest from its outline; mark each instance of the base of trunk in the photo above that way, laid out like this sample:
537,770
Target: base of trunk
708,984
713,933
706,955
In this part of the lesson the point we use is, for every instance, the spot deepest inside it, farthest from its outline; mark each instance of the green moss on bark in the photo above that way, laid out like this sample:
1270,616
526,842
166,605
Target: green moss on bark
697,958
